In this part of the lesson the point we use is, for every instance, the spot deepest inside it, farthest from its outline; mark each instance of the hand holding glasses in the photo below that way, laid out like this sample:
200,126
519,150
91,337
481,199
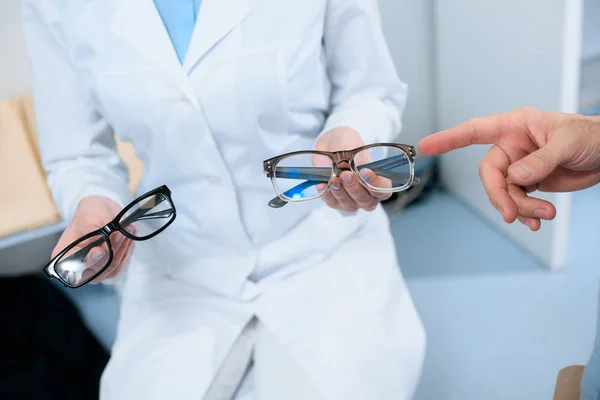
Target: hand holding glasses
307,175
89,256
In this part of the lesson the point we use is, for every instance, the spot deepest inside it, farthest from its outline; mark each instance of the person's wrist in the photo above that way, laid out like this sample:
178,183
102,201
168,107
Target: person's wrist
595,120
595,132
591,141
593,129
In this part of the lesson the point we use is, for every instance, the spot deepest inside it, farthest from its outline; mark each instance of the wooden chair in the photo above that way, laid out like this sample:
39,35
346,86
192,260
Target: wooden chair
27,208
25,201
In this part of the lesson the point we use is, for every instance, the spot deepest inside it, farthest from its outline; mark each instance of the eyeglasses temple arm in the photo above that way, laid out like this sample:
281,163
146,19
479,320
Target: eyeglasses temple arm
386,163
316,175
309,173
155,215
140,212
321,175
277,202
324,174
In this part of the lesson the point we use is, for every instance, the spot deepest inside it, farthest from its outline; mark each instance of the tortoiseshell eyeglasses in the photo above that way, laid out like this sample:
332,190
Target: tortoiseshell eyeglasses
306,175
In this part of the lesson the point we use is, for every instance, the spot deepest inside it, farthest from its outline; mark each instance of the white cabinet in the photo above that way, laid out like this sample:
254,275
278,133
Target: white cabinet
591,29
495,56
589,96
408,28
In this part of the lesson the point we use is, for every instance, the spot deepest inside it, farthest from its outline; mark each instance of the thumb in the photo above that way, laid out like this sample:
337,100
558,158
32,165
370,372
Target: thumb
68,236
538,165
90,215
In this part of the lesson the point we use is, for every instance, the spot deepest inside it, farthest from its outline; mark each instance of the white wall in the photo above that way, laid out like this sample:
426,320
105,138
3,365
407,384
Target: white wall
14,68
591,29
408,25
484,67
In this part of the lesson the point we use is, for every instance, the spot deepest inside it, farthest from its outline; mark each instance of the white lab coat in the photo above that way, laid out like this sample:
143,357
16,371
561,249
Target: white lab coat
261,77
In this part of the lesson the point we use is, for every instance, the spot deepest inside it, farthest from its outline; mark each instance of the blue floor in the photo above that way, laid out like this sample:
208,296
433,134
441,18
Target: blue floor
499,325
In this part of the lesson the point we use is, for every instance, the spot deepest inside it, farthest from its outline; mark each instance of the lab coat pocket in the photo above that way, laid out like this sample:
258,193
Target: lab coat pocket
259,96
299,70
272,122
250,84
306,87
301,74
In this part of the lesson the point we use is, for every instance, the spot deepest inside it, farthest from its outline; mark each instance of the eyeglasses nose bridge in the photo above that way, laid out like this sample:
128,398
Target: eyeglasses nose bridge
110,228
342,156
336,167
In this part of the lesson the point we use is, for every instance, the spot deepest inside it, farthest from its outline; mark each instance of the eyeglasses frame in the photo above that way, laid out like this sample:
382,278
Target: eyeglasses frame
113,226
337,158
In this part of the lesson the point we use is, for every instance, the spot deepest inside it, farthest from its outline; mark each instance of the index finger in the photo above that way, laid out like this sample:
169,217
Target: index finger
483,130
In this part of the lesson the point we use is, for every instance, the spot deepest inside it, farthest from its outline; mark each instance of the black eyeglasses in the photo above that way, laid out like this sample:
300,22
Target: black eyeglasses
306,175
89,256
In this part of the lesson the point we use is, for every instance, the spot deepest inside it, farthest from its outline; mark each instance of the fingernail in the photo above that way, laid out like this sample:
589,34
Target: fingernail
347,179
523,170
130,229
365,175
541,213
119,239
98,255
335,186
